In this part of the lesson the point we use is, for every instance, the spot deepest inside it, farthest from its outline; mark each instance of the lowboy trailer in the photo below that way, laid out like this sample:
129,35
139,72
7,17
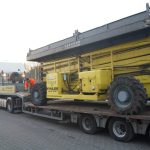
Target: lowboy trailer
89,115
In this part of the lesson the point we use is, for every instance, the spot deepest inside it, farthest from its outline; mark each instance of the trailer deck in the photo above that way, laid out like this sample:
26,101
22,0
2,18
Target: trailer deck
100,109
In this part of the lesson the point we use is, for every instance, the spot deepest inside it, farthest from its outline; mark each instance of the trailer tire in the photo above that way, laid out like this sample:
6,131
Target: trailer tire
148,133
127,95
10,106
88,124
120,130
38,94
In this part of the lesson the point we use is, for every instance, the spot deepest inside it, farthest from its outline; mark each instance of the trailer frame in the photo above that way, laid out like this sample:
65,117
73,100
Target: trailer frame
75,112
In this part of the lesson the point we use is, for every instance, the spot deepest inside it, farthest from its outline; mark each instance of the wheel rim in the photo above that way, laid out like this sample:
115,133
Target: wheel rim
36,94
87,123
9,106
119,129
123,97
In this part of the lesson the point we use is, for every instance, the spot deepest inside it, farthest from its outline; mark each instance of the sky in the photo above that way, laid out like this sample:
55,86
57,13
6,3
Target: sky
32,24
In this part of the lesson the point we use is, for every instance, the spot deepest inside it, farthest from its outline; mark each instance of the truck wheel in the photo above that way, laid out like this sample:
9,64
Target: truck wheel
88,124
38,94
127,95
149,132
120,130
10,106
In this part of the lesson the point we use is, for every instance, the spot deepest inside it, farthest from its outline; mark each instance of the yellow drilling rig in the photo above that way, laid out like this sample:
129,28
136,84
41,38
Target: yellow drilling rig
111,62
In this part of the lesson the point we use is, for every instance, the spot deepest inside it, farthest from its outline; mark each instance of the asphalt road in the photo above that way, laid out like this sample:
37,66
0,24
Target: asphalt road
26,132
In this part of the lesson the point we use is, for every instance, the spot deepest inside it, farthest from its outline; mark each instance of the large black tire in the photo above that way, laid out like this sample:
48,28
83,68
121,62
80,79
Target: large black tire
120,130
88,124
148,131
10,106
127,95
38,94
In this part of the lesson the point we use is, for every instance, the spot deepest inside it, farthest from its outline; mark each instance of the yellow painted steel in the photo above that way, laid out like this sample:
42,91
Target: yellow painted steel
54,83
95,81
83,72
94,97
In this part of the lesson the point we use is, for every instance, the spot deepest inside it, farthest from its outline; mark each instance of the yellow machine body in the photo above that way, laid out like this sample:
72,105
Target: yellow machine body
54,84
89,75
95,81
92,82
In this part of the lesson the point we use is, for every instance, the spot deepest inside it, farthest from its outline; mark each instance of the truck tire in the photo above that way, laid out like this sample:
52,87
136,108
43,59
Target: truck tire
120,130
38,94
88,124
10,106
148,132
127,95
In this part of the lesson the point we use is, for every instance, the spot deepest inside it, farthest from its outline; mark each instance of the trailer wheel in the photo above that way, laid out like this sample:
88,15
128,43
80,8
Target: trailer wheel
88,124
38,94
120,130
10,106
149,132
127,95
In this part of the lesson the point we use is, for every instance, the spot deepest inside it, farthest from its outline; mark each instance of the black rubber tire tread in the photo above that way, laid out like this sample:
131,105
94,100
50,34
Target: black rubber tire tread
139,93
41,89
148,131
93,130
11,109
129,135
